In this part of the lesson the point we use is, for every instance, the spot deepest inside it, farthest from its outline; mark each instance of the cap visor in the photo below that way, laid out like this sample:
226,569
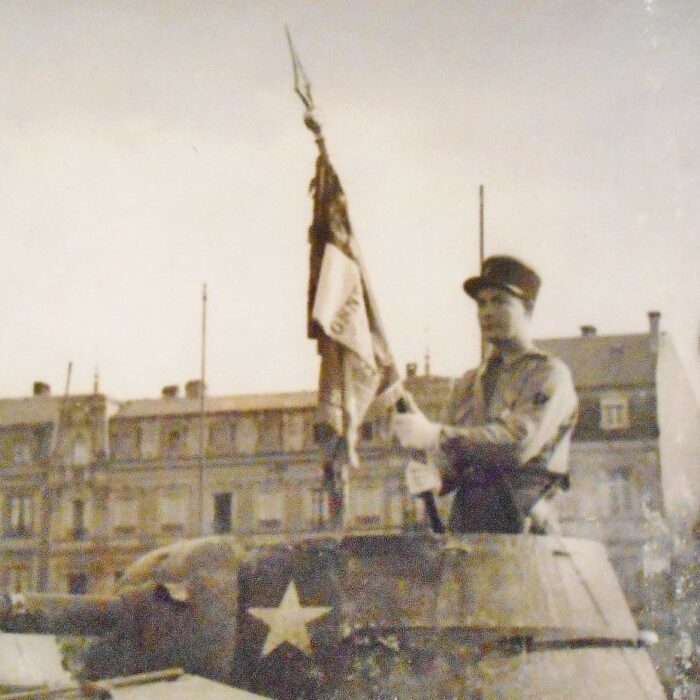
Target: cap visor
472,285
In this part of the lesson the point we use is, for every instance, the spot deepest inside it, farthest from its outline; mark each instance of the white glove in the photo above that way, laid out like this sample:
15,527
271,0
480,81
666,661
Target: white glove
544,518
415,431
422,477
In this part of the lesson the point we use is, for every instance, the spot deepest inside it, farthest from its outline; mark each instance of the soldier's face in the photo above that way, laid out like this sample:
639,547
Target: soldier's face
502,316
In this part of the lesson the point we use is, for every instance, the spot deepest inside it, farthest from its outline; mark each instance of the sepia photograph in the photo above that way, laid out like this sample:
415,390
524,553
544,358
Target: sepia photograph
351,349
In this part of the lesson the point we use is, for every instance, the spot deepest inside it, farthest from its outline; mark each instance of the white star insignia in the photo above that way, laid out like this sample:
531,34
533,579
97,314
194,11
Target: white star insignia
288,621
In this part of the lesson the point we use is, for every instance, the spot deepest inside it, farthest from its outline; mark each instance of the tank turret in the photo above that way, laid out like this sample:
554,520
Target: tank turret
357,616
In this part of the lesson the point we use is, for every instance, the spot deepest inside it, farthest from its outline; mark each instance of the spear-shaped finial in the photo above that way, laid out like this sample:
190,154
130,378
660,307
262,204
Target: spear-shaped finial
302,87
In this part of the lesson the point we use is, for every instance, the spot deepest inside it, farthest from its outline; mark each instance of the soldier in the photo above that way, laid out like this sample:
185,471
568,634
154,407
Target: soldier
503,444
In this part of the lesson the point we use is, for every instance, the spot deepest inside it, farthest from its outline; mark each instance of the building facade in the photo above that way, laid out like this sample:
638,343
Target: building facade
89,484
51,449
635,462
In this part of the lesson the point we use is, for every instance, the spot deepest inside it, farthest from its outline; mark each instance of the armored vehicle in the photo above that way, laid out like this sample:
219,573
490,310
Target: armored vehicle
365,616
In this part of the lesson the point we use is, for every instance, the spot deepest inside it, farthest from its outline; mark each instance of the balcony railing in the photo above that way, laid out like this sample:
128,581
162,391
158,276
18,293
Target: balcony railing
270,524
19,531
124,530
173,529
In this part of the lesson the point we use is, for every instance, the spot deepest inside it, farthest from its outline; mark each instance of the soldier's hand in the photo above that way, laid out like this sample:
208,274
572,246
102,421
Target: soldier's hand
407,404
415,431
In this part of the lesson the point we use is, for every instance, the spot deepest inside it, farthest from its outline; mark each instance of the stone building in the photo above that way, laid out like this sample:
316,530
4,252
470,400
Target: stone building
50,451
88,484
635,463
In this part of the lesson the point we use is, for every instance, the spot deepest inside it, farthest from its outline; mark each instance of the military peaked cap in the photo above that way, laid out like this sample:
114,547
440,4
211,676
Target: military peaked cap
504,272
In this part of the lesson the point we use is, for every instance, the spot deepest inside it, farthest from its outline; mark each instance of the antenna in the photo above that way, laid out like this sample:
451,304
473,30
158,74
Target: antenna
481,225
481,249
426,370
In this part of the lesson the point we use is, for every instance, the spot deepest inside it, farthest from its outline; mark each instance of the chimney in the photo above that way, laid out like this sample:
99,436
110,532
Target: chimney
654,321
170,392
411,370
41,389
194,389
587,331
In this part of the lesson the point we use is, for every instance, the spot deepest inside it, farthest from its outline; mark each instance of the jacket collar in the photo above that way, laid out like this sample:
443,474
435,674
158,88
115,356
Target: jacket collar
492,353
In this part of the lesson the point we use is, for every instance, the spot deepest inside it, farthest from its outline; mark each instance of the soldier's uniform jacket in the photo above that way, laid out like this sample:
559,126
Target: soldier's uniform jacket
506,424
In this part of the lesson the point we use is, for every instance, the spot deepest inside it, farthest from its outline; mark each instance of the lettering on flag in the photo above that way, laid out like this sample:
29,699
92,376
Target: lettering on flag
339,305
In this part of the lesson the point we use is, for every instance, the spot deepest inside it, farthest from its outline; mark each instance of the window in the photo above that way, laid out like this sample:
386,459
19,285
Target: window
78,530
293,431
317,508
123,512
172,509
174,442
269,510
152,442
368,505
21,514
127,442
221,437
78,583
222,513
246,435
397,509
270,436
19,580
43,440
614,413
81,452
623,497
21,454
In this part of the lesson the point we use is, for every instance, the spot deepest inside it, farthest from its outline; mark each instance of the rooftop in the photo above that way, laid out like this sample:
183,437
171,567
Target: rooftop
594,360
141,408
31,410
606,360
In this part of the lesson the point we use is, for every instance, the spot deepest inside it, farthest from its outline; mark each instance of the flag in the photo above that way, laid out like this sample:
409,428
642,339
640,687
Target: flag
356,364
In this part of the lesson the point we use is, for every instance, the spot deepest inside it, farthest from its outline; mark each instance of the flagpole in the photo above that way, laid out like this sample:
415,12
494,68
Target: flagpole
482,343
353,367
338,494
48,488
202,393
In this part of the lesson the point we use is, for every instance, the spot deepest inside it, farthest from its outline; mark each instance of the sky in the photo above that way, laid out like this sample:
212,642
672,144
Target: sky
148,148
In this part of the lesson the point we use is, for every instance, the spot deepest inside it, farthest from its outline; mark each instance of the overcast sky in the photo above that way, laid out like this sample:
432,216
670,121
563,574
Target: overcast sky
149,147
